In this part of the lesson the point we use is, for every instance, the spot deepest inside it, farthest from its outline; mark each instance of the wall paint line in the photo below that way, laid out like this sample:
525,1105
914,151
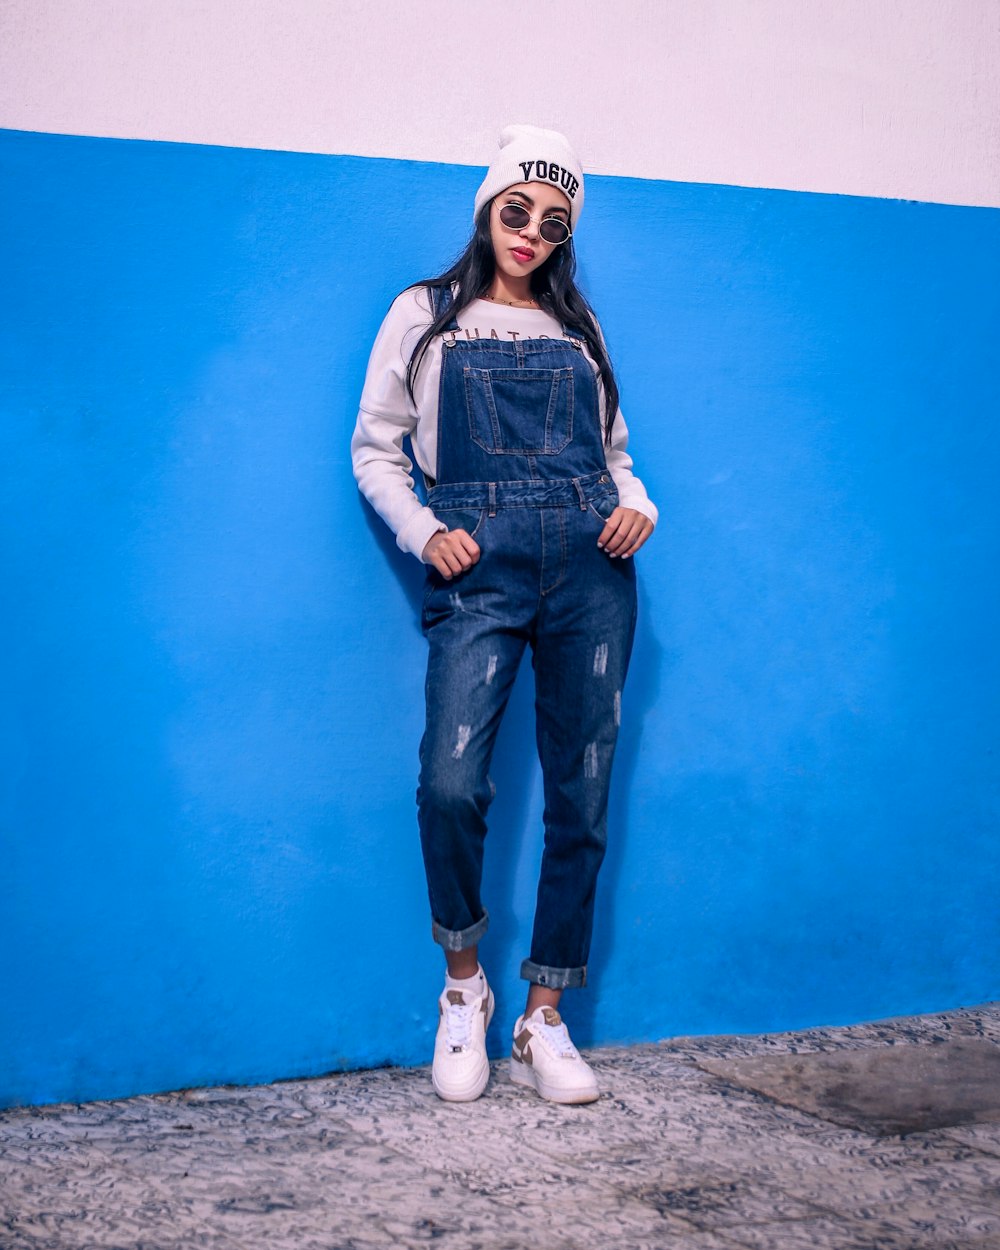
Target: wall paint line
884,98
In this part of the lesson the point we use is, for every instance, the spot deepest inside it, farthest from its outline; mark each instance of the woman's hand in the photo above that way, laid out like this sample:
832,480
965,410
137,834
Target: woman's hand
625,532
451,552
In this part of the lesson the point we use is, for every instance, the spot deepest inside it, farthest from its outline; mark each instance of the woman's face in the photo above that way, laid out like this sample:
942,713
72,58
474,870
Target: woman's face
519,252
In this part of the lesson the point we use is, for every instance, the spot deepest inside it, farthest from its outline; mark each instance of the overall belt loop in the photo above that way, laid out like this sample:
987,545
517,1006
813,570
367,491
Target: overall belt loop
493,499
580,495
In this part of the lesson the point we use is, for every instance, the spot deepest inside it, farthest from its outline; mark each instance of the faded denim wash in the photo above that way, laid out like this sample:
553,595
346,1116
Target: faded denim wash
521,467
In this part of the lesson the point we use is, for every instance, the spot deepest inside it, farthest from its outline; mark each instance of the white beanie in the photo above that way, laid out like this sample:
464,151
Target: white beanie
529,154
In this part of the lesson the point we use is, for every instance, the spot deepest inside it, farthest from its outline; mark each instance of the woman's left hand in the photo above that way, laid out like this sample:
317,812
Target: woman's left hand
625,532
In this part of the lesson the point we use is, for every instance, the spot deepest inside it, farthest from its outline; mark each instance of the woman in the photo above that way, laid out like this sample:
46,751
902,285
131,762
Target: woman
498,372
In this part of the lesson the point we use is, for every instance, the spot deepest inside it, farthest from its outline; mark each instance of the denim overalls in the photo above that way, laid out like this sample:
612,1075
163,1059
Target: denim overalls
521,467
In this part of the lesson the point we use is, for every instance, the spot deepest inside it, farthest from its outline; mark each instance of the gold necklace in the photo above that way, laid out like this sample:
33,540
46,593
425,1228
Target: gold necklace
512,303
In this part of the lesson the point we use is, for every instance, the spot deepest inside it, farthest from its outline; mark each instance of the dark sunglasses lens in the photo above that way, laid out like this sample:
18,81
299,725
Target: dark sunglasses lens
514,216
553,230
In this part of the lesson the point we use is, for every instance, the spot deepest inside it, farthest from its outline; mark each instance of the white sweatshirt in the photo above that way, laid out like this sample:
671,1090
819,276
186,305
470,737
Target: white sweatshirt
383,469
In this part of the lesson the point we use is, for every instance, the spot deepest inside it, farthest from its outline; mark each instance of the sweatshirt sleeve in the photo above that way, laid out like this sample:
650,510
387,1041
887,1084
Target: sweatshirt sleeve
387,414
631,492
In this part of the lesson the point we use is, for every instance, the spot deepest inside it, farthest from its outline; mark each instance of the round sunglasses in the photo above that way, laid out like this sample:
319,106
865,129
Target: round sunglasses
550,229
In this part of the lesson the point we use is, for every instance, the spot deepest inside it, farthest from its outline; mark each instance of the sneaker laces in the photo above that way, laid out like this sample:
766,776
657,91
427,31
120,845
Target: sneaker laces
458,1018
557,1036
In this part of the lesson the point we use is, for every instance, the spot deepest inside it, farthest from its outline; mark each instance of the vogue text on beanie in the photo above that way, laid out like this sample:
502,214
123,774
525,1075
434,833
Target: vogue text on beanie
531,154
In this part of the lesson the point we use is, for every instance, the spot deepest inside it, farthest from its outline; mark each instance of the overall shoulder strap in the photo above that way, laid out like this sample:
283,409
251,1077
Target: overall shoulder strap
574,331
440,297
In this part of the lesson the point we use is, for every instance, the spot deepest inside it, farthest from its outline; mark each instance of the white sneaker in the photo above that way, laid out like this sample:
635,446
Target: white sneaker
461,1069
544,1058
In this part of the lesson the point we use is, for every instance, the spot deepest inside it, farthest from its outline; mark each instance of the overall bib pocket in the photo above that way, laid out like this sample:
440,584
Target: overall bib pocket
520,412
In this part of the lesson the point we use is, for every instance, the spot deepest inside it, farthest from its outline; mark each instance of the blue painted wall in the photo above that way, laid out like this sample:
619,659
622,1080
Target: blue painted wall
214,671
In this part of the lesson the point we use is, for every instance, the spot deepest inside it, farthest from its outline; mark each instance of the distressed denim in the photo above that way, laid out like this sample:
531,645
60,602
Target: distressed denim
521,467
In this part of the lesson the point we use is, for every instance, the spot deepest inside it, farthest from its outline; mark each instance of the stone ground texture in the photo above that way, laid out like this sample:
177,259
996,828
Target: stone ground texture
677,1153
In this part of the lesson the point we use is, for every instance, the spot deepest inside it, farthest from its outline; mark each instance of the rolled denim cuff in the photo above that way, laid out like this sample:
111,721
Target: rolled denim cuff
554,978
460,939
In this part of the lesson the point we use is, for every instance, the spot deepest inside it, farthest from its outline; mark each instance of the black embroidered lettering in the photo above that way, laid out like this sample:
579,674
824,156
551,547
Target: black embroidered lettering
526,166
554,172
572,189
566,178
541,170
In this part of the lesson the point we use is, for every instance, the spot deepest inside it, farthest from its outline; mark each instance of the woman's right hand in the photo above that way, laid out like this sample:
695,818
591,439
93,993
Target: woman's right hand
451,552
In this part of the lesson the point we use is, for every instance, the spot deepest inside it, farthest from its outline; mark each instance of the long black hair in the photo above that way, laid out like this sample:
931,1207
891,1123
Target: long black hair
553,285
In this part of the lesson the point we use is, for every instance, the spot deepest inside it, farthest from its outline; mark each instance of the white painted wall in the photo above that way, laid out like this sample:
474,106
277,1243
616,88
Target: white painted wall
896,98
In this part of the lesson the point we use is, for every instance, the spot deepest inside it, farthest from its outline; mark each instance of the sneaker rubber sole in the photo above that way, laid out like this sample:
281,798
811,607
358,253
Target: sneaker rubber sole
525,1074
